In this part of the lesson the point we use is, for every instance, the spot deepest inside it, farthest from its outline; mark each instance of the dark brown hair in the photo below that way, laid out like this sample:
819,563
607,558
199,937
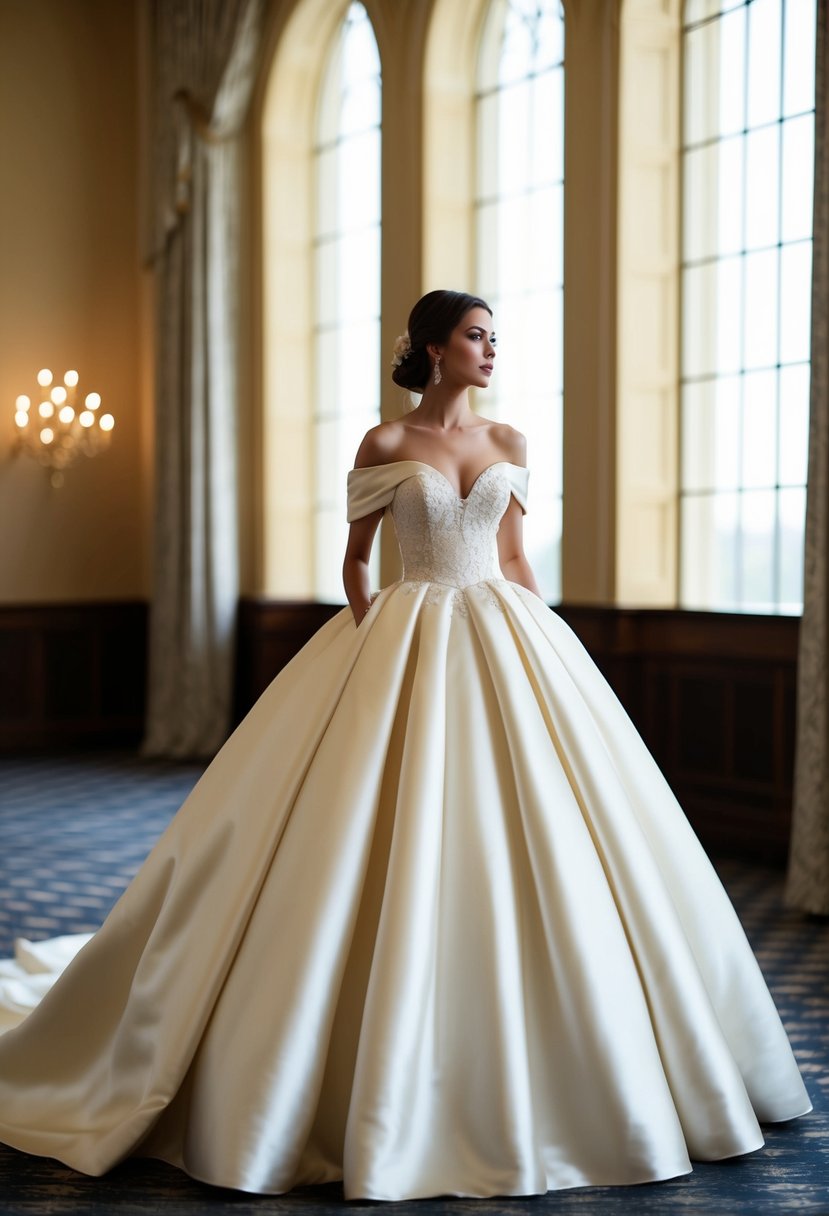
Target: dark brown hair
432,319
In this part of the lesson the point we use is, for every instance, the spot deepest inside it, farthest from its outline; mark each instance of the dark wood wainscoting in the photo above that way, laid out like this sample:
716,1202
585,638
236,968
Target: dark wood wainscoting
270,633
72,673
713,695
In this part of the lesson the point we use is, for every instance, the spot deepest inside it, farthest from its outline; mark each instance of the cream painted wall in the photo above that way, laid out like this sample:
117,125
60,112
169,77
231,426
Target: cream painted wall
72,293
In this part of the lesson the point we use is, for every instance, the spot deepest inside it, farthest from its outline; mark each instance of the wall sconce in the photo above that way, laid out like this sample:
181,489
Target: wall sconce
56,431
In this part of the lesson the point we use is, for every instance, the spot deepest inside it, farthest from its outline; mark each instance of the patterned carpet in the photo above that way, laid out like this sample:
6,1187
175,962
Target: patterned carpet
73,831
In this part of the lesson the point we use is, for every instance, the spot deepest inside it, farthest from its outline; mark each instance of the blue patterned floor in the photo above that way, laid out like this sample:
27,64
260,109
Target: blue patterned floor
74,830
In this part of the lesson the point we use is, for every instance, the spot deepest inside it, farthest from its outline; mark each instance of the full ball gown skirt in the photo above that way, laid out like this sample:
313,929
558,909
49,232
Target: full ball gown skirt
431,922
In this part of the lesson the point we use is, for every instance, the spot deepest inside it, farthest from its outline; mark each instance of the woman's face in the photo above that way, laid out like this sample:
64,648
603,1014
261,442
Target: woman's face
468,358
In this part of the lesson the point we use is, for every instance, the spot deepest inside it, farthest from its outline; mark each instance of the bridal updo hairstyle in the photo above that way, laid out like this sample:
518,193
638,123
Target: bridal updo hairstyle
432,319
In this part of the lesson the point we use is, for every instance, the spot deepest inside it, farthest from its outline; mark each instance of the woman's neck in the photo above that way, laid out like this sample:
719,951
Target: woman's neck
444,408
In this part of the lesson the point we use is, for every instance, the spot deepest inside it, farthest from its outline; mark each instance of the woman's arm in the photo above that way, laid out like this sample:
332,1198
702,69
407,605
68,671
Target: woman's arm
355,566
511,556
374,449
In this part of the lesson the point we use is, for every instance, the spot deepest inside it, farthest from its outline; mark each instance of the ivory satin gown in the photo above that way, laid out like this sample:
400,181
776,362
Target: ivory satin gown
431,922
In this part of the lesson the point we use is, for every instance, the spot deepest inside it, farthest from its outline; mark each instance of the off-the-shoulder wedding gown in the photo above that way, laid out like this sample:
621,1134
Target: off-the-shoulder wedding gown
431,922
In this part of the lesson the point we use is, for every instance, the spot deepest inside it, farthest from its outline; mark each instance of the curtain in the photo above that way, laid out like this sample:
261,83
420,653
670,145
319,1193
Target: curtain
807,884
204,54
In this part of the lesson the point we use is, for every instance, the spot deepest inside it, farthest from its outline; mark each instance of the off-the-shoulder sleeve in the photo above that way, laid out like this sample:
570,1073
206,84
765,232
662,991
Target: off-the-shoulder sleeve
519,478
371,488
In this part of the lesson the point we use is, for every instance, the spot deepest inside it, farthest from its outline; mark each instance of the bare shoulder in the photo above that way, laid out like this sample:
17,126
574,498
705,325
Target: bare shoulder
379,445
509,441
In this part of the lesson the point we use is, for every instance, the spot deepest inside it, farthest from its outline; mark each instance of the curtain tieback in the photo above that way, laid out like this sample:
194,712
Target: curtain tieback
197,123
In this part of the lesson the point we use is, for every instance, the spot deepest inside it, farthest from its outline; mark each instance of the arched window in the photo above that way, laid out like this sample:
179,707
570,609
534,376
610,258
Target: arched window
748,155
519,245
347,282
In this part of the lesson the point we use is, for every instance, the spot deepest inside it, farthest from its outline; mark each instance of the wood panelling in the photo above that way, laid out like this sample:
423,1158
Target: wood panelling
270,633
72,673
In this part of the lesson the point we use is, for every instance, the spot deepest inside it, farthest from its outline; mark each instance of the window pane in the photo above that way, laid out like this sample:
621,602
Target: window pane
792,516
728,314
757,550
799,66
761,297
795,302
759,429
711,434
547,157
331,534
709,551
700,96
542,538
544,228
729,193
794,424
489,138
762,181
764,40
797,180
359,180
728,43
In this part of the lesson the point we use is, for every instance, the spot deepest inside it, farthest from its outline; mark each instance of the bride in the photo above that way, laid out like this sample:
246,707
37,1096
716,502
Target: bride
432,921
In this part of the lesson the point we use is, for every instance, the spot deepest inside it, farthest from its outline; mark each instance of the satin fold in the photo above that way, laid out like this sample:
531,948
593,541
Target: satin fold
433,923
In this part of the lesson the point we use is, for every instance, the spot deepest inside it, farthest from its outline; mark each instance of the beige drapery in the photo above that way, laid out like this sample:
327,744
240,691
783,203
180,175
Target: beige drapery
807,884
204,56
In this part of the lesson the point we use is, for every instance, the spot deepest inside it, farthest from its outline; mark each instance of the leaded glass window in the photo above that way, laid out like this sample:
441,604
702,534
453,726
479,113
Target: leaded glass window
748,150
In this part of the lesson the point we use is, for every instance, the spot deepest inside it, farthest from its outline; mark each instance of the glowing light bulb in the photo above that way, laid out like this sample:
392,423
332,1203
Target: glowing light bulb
44,377
23,402
107,422
70,379
87,418
66,414
92,401
21,418
58,394
47,435
46,409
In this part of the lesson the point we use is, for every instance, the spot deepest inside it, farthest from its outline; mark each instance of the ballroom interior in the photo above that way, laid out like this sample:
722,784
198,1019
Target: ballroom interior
215,218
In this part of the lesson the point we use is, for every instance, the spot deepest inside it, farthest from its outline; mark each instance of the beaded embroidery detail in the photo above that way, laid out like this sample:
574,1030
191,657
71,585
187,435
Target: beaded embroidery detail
459,596
448,542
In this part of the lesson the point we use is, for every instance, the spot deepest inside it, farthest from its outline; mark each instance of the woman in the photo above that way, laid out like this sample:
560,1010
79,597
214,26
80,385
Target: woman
432,921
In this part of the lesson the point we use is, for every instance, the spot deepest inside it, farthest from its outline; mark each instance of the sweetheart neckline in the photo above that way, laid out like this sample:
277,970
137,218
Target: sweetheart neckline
425,465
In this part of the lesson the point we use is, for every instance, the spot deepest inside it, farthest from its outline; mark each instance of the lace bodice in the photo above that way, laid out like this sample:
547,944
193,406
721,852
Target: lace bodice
443,538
